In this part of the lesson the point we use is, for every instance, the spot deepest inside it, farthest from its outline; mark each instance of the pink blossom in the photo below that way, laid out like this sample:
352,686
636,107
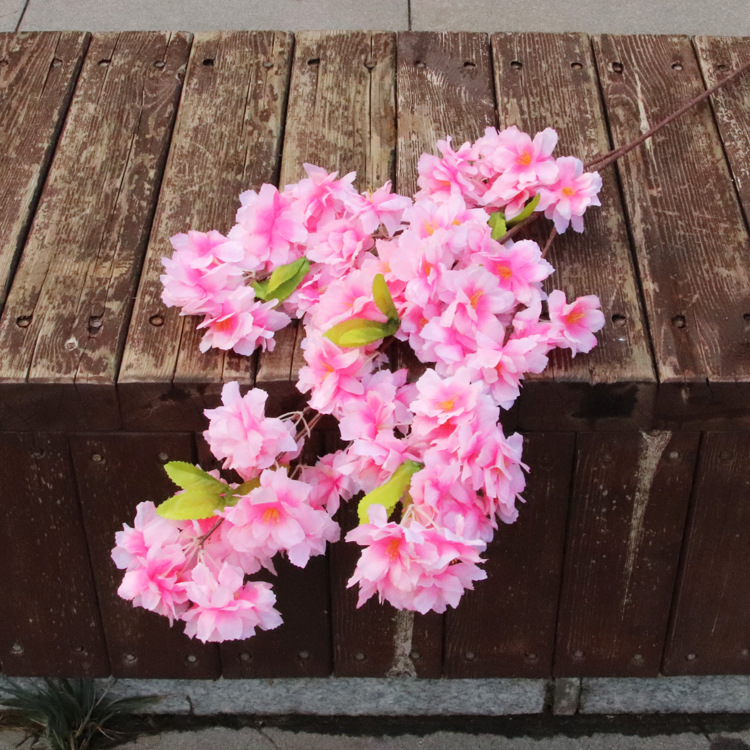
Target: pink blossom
383,207
574,324
453,174
567,199
223,608
149,531
241,434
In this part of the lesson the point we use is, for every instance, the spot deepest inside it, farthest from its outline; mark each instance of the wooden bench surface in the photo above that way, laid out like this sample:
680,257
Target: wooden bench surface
111,143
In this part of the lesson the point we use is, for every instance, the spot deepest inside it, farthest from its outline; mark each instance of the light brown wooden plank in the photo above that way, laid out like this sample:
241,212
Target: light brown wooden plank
690,239
37,76
628,509
549,80
340,117
506,626
227,139
710,629
77,277
114,472
50,624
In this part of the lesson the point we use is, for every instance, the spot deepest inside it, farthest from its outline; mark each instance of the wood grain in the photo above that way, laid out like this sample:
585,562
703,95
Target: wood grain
688,231
629,504
506,626
37,77
50,624
114,472
65,318
227,139
341,116
710,629
549,80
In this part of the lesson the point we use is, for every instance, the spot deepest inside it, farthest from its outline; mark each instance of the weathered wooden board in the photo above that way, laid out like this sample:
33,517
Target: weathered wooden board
114,472
38,73
341,117
690,239
301,647
64,323
549,80
227,139
629,503
718,57
506,626
710,629
50,623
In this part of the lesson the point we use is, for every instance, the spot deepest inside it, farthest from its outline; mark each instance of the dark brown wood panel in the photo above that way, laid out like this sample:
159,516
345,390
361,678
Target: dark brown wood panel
690,239
37,75
506,626
710,629
66,315
227,139
629,503
341,117
549,80
718,56
115,472
50,624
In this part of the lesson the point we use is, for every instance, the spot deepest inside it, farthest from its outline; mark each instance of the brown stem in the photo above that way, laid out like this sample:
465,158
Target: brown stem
606,159
548,243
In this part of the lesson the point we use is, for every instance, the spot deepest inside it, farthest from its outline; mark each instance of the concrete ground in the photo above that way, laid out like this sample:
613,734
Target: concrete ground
717,17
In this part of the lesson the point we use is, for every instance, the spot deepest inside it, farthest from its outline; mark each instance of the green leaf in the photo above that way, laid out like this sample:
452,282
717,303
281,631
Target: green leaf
382,296
246,487
261,289
497,222
203,494
527,211
358,332
285,279
389,493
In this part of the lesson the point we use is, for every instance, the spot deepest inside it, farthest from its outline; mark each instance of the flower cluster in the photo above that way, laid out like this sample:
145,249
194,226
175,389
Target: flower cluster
430,457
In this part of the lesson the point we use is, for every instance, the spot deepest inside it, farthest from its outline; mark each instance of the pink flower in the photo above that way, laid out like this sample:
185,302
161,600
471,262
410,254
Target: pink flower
223,608
574,324
383,207
241,434
453,174
150,531
567,199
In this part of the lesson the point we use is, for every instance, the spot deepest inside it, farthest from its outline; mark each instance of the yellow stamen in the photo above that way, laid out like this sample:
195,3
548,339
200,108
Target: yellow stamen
448,405
504,272
525,158
474,299
568,191
574,317
393,548
270,515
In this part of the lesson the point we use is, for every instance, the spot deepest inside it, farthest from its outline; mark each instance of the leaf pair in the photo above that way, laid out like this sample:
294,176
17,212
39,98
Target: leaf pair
391,492
283,281
499,223
357,332
202,494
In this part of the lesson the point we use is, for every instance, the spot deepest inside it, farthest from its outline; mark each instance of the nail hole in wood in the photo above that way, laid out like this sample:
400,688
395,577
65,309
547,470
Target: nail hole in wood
79,650
746,318
163,457
618,67
370,65
725,455
578,655
679,321
414,655
244,656
156,320
159,64
97,458
104,63
56,62
745,652
208,62
638,659
674,455
191,659
420,64
676,66
470,656
16,648
619,320
268,65
576,65
314,61
359,656
722,68
3,63
516,64
24,321
304,655
130,658
691,657
607,458
470,64
37,453
95,324
531,658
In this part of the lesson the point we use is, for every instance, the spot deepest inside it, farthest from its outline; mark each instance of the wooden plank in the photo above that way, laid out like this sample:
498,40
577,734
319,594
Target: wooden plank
301,647
140,643
65,319
227,139
629,503
549,80
506,626
718,57
690,239
710,629
50,624
341,116
37,75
